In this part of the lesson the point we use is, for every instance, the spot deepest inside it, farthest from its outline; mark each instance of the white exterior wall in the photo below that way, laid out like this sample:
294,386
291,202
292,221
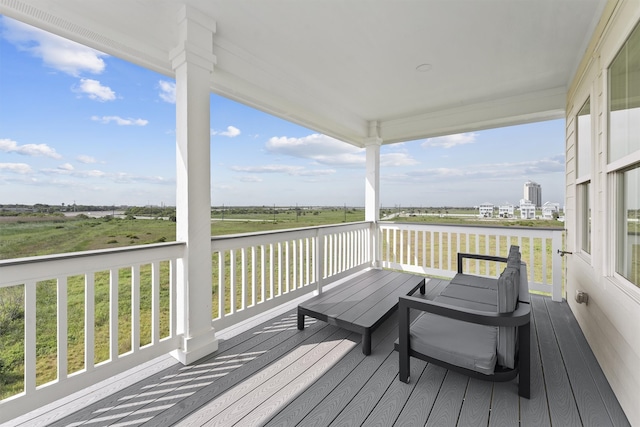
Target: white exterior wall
527,211
506,211
486,210
548,210
610,320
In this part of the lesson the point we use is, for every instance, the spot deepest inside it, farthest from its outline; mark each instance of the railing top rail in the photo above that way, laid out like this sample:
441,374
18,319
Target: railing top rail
497,227
88,254
21,270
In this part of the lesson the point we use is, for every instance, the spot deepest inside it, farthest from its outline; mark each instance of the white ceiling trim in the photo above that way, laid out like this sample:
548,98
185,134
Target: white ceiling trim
527,108
145,56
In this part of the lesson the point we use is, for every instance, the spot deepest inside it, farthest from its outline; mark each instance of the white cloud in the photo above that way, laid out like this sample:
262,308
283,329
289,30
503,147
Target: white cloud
284,169
317,172
330,151
451,140
117,177
73,172
36,150
249,178
291,170
94,90
56,52
21,168
231,132
344,159
223,187
546,165
484,172
397,159
320,148
126,178
86,159
167,91
66,167
310,146
120,121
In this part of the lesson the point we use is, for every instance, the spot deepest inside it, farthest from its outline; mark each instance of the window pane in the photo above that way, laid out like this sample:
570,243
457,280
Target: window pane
624,99
584,141
585,216
629,229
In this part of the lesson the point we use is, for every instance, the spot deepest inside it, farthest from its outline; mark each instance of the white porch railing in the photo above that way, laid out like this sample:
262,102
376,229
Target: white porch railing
108,336
433,249
115,309
253,273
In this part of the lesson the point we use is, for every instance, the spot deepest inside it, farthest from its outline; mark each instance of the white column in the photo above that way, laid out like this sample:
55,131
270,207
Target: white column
372,188
372,184
193,63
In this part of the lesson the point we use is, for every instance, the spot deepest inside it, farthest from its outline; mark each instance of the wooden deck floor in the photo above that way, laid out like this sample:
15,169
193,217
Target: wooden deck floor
275,375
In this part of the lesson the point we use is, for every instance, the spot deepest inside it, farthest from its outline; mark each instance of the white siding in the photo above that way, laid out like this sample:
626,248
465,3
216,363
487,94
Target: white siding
610,320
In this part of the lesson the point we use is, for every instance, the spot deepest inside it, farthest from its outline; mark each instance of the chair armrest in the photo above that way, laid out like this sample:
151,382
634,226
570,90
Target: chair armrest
520,316
462,256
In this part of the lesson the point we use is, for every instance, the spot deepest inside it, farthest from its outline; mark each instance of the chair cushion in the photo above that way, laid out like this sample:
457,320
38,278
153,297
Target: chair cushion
457,302
508,286
475,281
471,293
514,257
463,344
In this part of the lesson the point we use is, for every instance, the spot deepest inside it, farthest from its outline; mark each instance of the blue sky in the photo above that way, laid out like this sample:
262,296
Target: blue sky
80,126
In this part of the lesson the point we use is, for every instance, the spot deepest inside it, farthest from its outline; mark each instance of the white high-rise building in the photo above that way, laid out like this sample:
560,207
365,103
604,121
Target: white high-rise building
533,193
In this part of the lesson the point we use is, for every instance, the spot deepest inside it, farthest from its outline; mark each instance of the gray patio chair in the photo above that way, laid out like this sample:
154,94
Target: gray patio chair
461,334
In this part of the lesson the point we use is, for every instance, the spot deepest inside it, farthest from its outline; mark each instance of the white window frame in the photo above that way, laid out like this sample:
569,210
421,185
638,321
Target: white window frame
582,217
615,180
613,174
584,177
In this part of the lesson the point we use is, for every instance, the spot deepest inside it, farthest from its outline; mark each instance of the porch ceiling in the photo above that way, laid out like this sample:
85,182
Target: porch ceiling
334,65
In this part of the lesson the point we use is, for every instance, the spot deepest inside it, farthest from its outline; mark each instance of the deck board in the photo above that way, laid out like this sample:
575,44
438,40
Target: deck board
593,393
304,404
309,398
534,411
276,375
364,402
388,408
420,403
241,400
271,351
258,416
476,405
562,405
504,405
446,409
591,406
331,406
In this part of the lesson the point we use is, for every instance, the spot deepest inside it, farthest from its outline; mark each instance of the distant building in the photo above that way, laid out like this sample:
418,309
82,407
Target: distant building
527,209
548,209
533,193
506,211
20,209
486,210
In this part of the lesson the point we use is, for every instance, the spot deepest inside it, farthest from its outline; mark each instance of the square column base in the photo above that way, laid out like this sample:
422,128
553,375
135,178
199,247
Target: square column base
195,348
